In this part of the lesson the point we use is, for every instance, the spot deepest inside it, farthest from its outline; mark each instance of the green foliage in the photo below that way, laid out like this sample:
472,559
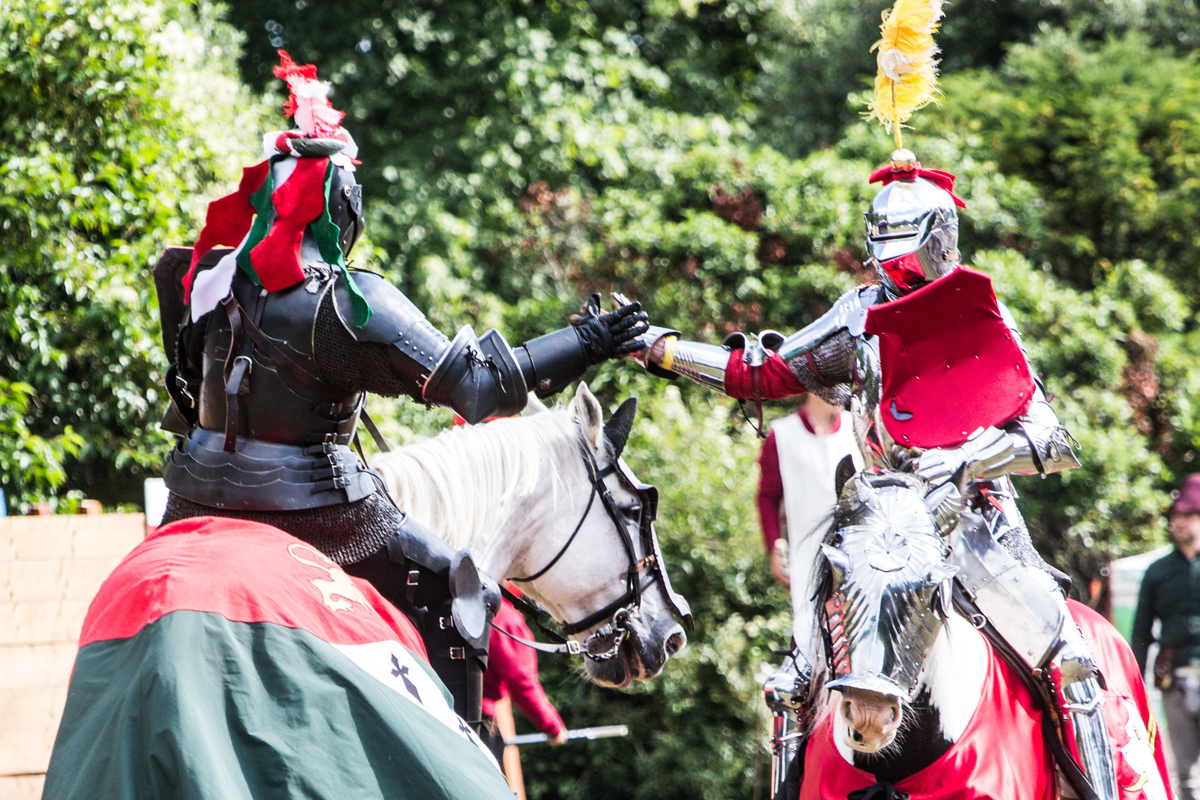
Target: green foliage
112,140
1110,134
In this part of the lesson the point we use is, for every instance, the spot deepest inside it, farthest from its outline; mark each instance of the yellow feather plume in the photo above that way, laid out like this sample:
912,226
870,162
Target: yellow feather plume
907,76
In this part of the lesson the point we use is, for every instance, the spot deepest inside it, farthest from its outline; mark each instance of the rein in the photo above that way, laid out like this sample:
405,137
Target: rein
620,609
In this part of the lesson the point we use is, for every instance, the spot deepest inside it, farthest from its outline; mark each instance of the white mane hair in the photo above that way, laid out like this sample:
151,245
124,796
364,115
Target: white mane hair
464,482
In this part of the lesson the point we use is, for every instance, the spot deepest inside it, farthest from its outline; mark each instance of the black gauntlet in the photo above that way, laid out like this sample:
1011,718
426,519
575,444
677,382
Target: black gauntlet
551,362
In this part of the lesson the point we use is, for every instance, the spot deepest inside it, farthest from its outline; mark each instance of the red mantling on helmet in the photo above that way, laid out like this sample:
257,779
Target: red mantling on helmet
939,178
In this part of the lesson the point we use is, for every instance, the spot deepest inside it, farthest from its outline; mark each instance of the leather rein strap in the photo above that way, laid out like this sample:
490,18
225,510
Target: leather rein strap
1066,762
637,581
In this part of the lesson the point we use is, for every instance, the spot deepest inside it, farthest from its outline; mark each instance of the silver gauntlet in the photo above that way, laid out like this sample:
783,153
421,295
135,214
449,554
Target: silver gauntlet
986,455
1042,443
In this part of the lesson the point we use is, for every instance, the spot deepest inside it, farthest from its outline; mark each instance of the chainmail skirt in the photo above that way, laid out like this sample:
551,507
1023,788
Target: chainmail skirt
346,533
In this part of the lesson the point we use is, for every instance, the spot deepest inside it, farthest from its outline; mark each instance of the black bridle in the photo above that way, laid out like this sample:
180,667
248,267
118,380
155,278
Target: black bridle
643,571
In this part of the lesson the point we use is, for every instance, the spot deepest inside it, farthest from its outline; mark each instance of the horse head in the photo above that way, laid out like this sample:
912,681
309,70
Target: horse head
545,501
886,598
607,582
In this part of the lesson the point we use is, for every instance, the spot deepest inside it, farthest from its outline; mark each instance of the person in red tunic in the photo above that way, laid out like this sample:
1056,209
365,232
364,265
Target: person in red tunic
512,678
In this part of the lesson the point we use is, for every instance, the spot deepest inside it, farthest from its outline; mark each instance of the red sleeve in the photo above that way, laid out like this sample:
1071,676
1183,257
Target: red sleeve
776,380
770,491
514,666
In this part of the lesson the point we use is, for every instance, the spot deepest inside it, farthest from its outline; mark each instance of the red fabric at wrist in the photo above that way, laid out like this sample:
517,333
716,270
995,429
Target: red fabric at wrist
776,380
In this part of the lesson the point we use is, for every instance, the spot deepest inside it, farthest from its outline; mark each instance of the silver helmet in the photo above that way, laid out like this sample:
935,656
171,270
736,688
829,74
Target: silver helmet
912,232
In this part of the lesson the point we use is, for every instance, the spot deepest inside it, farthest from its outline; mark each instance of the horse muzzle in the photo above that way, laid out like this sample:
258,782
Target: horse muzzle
641,656
869,720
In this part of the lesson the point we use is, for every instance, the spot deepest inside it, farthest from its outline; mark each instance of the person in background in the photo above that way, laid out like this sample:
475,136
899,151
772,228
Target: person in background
797,465
512,677
1171,593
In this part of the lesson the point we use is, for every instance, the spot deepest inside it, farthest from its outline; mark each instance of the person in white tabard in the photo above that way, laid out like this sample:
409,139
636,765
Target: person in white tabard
798,462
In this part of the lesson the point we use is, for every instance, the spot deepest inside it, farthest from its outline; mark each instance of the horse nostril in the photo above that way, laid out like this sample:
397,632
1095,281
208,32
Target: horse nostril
675,643
893,712
858,737
847,712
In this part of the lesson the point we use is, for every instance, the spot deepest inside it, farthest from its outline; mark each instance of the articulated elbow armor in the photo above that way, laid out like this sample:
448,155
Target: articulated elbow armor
1041,443
822,355
478,378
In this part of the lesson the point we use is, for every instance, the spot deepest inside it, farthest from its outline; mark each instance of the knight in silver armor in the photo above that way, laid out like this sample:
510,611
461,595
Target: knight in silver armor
267,387
912,236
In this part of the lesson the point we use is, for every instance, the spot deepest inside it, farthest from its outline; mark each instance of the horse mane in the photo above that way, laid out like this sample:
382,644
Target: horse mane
465,481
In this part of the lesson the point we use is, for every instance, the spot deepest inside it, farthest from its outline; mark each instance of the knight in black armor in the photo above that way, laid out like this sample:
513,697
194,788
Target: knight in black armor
274,346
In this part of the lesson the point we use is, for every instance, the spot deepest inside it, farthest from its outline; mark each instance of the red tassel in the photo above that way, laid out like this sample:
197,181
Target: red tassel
299,201
227,221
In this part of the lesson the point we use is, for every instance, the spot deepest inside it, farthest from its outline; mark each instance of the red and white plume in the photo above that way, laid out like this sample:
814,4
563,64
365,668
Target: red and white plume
309,100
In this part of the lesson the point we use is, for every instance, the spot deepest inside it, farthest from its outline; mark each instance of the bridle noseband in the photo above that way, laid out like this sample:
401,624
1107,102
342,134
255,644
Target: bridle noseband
642,574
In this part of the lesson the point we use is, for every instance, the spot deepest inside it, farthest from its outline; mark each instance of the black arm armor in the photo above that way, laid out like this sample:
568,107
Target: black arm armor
551,362
476,378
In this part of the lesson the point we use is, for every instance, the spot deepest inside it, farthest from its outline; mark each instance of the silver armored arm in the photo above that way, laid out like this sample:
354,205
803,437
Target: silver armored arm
821,355
696,361
1040,442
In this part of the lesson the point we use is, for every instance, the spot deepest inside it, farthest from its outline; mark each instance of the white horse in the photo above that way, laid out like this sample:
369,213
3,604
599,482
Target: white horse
917,698
519,494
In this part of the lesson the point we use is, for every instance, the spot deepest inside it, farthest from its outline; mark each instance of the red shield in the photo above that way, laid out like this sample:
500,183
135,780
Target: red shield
950,364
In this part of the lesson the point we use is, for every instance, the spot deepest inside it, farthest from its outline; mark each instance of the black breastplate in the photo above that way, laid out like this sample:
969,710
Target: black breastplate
293,429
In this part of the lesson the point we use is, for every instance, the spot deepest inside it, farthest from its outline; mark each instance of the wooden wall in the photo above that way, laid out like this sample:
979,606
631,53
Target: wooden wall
50,569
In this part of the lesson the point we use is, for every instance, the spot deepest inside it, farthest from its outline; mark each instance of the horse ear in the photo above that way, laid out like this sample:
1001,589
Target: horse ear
617,429
591,417
844,472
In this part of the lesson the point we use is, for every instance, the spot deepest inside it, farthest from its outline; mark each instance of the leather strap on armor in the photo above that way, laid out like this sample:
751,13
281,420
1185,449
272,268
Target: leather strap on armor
232,388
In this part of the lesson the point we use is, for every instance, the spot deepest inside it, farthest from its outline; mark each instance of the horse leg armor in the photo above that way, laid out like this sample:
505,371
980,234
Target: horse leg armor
1028,609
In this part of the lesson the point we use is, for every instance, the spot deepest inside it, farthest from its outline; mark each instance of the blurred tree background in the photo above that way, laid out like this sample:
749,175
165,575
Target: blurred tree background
707,158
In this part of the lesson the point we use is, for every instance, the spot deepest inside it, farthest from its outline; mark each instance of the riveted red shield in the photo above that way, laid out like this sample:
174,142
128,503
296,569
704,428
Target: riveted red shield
950,363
